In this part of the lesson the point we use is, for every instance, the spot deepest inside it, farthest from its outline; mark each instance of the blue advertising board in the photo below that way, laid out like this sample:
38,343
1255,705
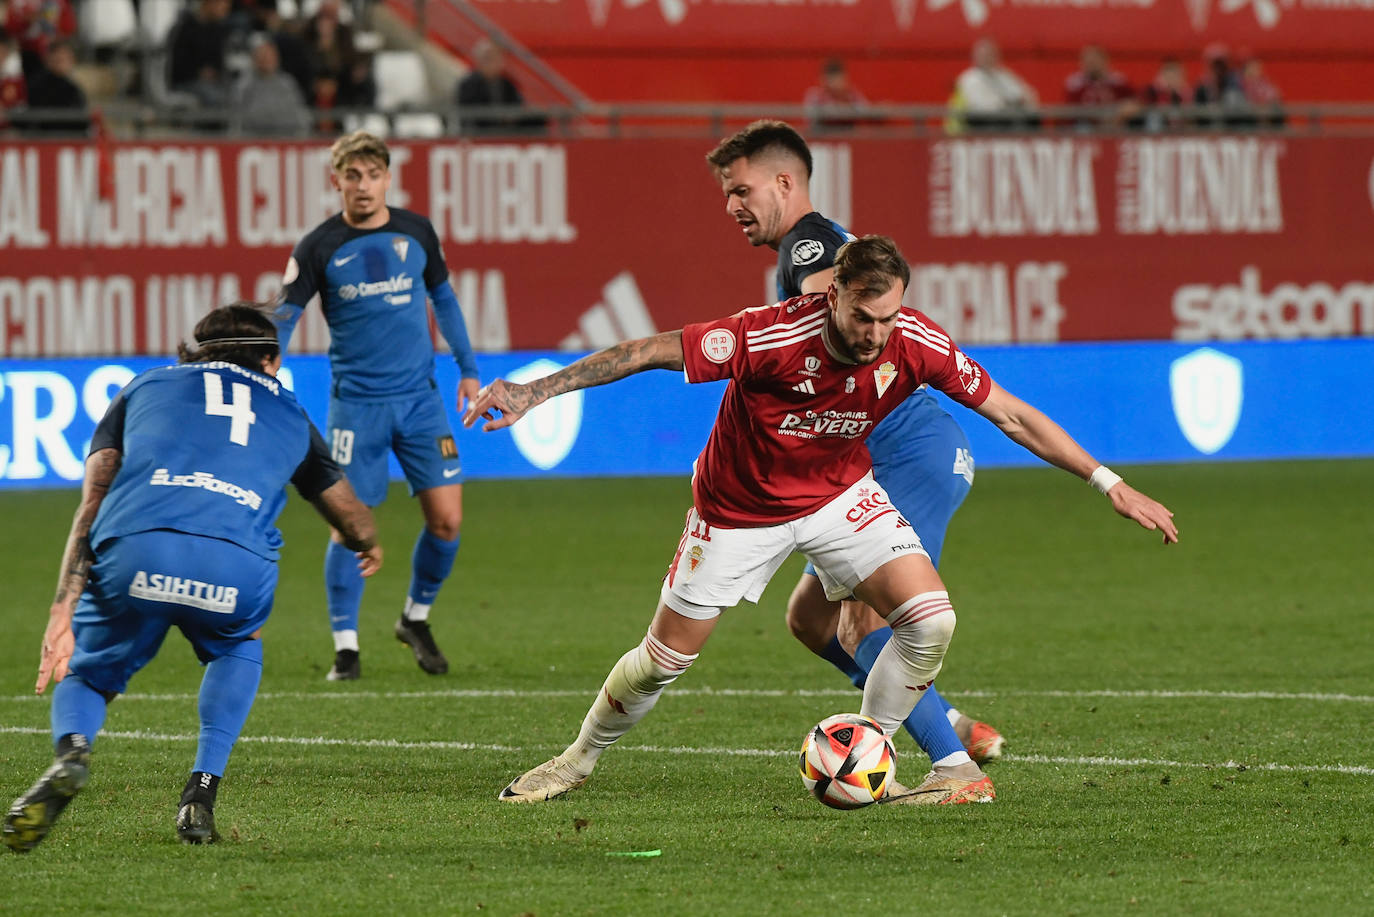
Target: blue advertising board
1125,402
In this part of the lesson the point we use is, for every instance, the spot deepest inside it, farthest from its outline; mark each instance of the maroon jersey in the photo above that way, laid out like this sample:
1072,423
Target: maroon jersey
790,433
1084,89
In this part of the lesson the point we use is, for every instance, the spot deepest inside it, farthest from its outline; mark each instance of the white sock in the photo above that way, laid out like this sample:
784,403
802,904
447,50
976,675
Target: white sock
629,693
414,611
345,640
953,760
921,630
953,716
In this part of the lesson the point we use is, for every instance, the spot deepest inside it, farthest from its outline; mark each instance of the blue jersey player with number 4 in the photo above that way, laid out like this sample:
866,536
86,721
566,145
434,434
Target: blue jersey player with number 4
373,267
920,455
177,526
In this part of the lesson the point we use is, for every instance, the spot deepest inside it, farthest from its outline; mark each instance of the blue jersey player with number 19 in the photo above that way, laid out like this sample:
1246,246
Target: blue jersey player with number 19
920,455
177,526
373,267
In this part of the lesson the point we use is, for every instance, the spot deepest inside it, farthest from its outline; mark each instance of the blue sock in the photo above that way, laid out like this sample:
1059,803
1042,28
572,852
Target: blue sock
343,585
927,723
76,707
226,696
836,656
430,564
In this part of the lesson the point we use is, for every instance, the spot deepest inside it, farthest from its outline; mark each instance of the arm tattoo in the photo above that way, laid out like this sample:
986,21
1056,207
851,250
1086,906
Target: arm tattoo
662,351
78,555
349,516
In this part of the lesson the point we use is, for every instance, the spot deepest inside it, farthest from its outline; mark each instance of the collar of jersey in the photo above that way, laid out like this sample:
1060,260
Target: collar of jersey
830,348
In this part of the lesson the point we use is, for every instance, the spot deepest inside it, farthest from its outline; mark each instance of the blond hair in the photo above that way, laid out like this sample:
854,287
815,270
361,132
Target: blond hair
358,145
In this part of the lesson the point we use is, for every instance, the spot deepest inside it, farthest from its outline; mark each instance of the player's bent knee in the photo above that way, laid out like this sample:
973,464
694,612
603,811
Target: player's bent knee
924,624
445,528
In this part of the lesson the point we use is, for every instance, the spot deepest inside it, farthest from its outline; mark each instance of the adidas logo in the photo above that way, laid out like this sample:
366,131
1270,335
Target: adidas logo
621,316
805,387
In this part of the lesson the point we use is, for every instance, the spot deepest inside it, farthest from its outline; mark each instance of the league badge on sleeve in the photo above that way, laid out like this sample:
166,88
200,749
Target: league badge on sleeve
970,377
807,251
884,376
718,345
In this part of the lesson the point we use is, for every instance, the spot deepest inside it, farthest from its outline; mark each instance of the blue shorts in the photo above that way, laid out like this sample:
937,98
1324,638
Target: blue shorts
361,433
923,460
215,591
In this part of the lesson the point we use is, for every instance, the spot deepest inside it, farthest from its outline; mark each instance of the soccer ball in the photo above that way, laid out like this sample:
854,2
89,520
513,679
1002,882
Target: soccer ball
847,762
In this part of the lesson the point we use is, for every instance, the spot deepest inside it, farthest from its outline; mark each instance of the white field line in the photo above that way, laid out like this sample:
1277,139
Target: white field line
1082,760
347,694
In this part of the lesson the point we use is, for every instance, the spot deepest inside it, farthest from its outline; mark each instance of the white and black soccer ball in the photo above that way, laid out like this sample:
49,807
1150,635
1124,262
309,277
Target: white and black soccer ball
847,762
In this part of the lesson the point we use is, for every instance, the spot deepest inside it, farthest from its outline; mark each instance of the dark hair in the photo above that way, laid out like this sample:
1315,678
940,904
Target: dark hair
832,66
871,263
759,138
239,333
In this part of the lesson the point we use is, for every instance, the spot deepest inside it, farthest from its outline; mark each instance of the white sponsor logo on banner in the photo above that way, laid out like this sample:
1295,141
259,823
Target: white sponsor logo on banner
500,192
548,432
1246,310
1013,188
1182,186
1208,389
991,303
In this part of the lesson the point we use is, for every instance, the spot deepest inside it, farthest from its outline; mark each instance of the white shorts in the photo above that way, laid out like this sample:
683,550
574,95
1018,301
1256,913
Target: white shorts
847,540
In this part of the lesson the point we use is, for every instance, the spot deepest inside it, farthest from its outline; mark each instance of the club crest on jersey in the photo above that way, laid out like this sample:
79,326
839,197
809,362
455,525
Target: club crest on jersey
694,559
807,251
718,345
849,386
884,376
400,245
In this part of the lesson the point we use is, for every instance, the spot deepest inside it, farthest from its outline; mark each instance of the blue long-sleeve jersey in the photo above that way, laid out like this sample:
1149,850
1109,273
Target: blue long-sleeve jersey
373,284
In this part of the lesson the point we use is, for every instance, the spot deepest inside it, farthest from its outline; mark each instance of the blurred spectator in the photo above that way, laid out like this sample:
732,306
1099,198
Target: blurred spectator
357,86
55,89
328,45
1261,94
1165,94
291,47
1099,86
198,43
268,101
1218,85
830,103
36,24
14,90
990,96
488,86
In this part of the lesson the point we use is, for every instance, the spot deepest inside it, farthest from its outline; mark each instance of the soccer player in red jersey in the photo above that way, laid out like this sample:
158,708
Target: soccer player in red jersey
785,469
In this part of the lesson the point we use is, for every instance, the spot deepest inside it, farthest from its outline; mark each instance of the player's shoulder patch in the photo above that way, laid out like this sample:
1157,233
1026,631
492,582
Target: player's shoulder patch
806,251
718,345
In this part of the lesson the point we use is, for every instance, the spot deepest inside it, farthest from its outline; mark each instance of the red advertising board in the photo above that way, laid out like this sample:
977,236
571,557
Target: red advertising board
582,243
860,26
909,51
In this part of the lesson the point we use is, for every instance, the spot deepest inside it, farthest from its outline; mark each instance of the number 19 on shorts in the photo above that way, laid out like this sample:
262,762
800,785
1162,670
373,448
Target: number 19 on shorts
341,448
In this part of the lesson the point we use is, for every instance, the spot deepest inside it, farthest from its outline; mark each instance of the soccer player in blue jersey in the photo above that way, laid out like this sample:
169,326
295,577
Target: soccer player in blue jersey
177,526
920,455
373,267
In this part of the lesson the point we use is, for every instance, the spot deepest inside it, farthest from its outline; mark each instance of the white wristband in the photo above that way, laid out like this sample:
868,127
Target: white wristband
1103,479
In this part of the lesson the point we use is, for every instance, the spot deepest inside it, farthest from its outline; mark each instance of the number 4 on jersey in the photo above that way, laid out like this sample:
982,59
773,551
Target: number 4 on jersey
239,411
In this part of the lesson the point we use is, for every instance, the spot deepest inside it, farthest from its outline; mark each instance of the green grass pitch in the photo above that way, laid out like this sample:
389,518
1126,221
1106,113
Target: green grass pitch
1189,728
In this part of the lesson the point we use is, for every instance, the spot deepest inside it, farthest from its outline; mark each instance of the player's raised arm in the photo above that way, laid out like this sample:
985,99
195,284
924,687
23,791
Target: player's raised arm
1026,425
662,351
77,556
